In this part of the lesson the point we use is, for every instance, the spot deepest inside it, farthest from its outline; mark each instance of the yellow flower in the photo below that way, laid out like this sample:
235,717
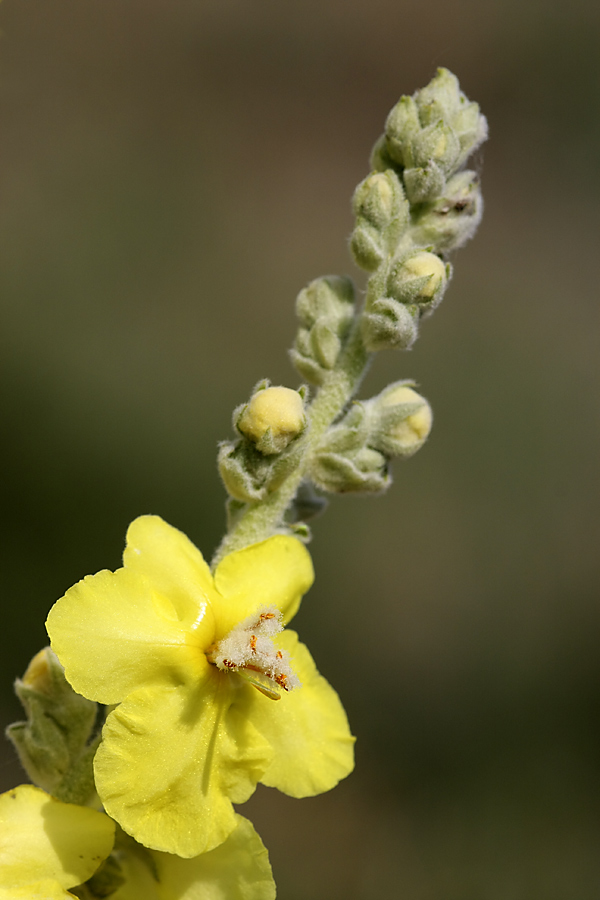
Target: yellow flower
196,726
47,846
236,870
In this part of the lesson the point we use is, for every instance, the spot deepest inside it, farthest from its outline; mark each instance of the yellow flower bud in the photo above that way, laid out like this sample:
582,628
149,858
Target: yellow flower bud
427,265
273,418
37,675
380,188
407,434
377,198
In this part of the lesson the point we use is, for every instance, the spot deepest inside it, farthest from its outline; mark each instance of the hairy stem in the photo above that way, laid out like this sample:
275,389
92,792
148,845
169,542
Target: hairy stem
262,519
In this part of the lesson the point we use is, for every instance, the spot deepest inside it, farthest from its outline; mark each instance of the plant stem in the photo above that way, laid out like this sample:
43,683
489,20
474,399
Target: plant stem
262,519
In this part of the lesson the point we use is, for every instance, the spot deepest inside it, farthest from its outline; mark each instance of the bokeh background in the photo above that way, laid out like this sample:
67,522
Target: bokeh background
172,174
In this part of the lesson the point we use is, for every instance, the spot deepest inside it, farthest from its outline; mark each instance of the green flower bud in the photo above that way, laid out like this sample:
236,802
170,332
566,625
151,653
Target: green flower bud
325,343
424,185
378,198
401,126
420,278
402,420
436,143
368,247
382,213
272,419
241,480
344,462
389,325
365,471
441,98
306,366
380,159
471,129
331,297
54,743
449,222
248,474
326,309
348,435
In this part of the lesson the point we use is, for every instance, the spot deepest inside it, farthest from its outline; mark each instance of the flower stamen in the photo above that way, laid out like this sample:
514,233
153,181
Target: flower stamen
249,650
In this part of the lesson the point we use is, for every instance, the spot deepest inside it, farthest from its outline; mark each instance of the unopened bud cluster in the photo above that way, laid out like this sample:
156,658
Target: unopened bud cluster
256,463
326,311
417,206
418,203
354,455
428,137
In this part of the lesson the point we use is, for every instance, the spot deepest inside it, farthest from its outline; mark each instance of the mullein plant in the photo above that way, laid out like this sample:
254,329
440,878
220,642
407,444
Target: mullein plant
173,686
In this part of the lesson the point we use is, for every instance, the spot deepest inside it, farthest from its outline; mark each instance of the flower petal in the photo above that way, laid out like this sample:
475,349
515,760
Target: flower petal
237,869
172,564
276,572
48,889
172,760
308,729
115,632
44,840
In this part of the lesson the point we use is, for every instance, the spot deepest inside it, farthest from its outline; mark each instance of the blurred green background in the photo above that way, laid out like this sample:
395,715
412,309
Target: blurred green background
172,174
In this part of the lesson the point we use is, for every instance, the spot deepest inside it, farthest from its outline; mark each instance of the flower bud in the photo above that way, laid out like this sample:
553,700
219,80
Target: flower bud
240,478
425,184
440,99
38,675
382,215
248,474
331,297
362,472
326,309
305,365
272,419
53,744
380,159
403,420
471,129
343,462
436,143
420,278
449,222
377,198
368,247
389,325
401,126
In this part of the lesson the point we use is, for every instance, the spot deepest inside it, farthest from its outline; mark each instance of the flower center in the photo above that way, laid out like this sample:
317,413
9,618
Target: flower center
249,650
